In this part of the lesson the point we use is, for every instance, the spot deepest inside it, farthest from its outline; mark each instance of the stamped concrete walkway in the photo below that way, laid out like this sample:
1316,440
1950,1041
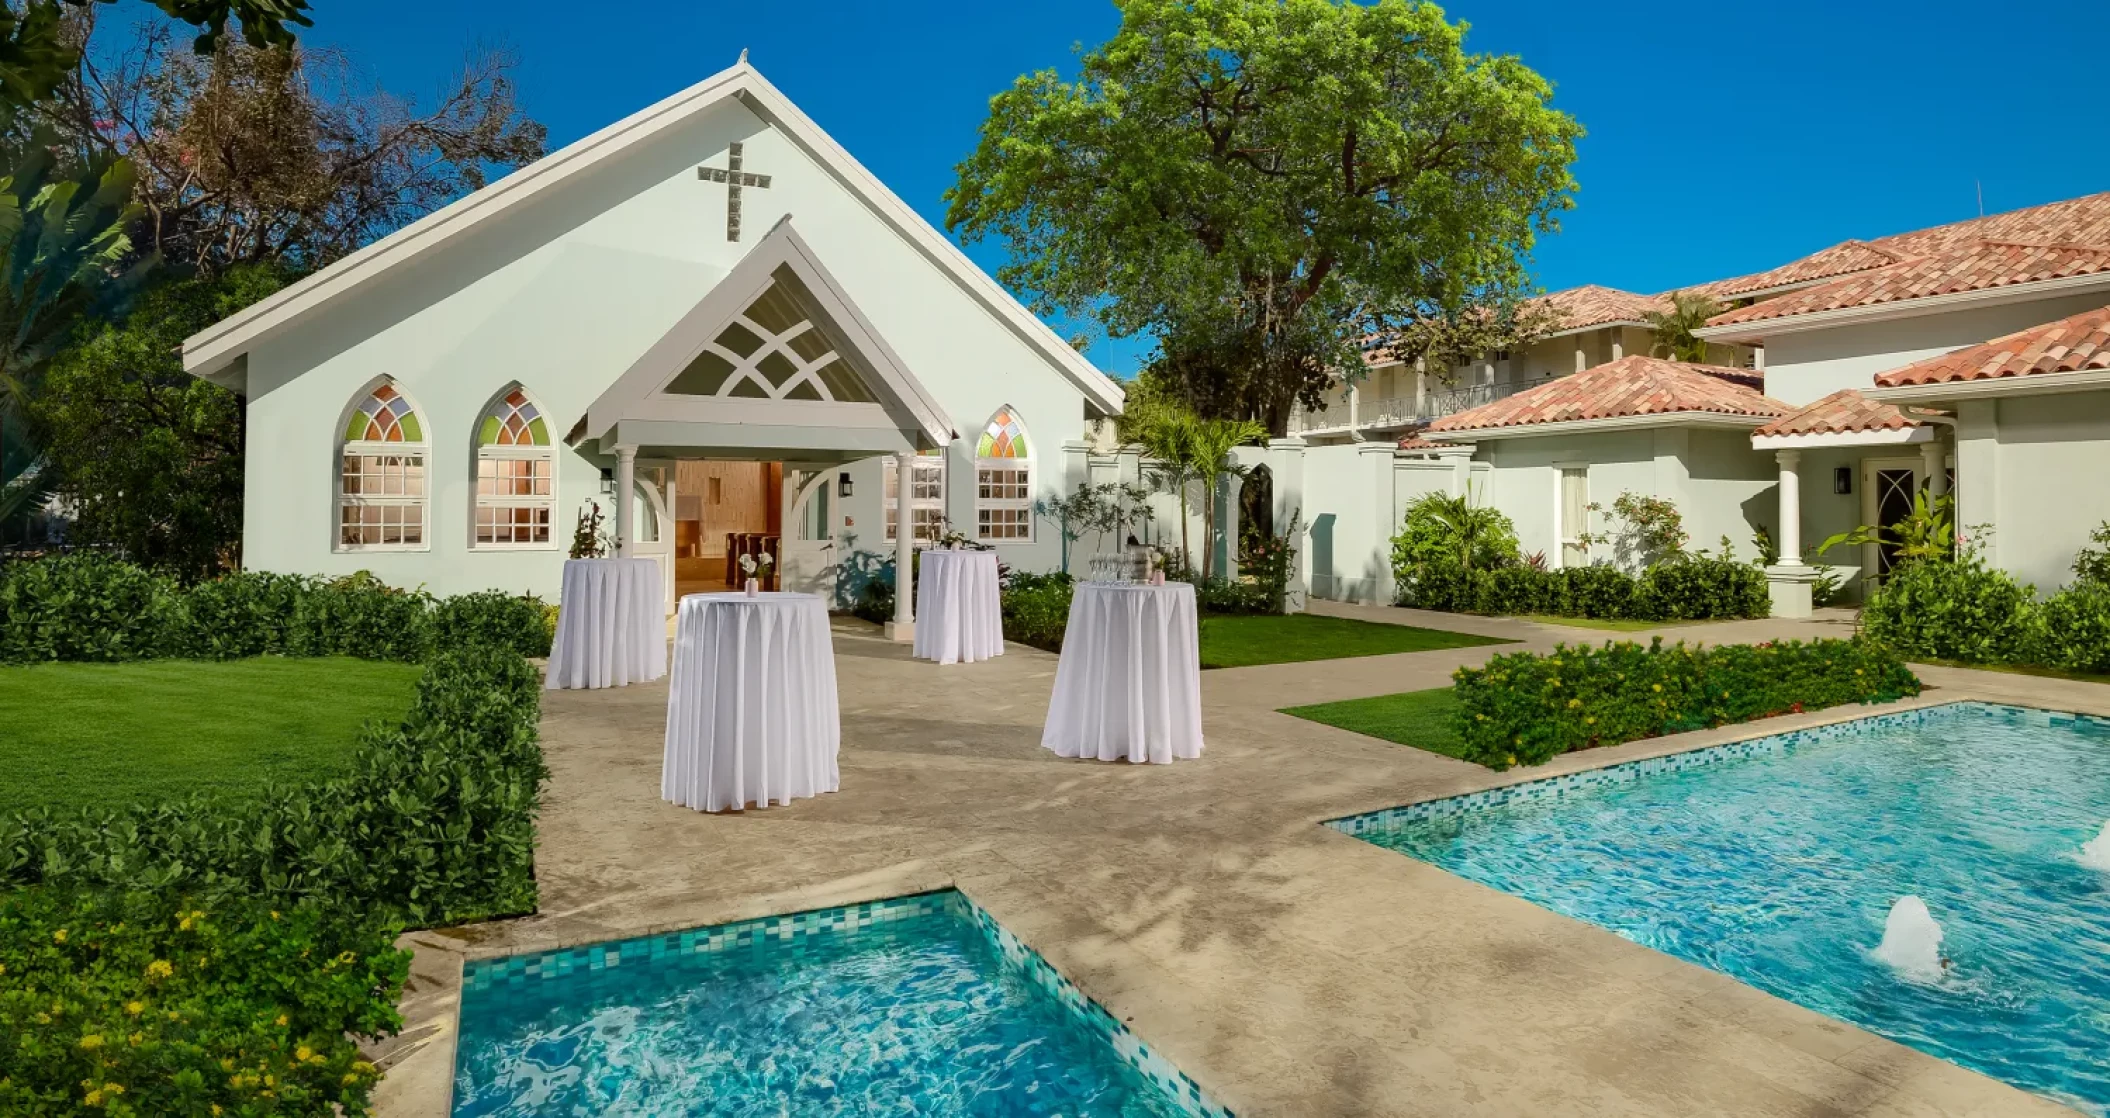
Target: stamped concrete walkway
1289,969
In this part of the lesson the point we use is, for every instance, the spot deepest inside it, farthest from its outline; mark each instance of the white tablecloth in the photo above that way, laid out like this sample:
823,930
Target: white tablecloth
611,624
1128,686
751,711
959,611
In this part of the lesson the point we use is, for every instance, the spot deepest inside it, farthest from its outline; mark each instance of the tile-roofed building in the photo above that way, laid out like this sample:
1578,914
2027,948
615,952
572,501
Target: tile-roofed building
1971,267
2077,344
1841,259
1631,386
1845,412
1592,305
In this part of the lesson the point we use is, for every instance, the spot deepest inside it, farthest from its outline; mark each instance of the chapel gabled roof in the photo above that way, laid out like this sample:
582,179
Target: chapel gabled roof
212,351
1631,387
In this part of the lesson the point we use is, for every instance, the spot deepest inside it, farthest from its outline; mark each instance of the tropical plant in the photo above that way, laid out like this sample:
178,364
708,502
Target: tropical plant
1927,532
1186,449
37,52
1109,509
1674,333
63,238
1453,530
1961,610
1262,184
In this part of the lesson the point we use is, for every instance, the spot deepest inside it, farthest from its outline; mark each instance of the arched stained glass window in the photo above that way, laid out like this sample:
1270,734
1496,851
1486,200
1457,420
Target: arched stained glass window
381,479
516,484
1003,506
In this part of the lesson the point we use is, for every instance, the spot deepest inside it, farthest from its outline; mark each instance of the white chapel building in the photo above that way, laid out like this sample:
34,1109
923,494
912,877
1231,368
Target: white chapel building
709,306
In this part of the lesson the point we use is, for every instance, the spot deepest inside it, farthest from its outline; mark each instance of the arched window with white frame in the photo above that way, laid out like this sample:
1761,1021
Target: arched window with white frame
381,477
516,468
1003,466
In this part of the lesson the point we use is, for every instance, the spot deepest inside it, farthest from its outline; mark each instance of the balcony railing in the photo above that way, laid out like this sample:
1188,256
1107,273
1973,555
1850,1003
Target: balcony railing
1406,411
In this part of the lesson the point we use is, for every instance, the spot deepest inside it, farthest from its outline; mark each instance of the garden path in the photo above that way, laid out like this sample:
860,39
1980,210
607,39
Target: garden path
1288,968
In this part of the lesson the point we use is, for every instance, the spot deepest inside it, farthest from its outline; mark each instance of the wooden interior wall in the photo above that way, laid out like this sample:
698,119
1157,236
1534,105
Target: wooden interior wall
747,497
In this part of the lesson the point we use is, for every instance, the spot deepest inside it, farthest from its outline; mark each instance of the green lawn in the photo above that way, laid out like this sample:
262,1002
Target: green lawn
1418,718
1243,640
1610,625
111,734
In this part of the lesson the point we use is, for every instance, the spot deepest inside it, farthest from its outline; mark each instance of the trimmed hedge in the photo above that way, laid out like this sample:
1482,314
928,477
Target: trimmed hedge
1036,609
1966,611
1694,588
93,607
1526,708
435,823
147,1005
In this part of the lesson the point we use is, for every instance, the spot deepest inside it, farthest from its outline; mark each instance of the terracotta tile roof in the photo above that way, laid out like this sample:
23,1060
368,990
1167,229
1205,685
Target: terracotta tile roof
1841,259
1414,441
2070,345
1975,267
1840,413
1592,305
1630,386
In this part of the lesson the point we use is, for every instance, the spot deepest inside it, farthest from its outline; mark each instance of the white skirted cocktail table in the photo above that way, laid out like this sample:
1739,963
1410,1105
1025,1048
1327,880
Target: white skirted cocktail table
751,709
959,611
1128,686
611,625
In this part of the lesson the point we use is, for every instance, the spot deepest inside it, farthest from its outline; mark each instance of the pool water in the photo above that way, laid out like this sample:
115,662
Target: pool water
915,1006
1776,861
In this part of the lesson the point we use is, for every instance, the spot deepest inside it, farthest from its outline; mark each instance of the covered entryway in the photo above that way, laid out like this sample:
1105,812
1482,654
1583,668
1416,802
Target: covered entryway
777,370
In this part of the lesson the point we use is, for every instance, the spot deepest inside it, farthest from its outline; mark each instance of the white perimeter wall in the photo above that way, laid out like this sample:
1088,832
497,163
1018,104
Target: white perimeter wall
2038,469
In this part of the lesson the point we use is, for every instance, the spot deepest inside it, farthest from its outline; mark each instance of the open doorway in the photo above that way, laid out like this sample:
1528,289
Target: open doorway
725,509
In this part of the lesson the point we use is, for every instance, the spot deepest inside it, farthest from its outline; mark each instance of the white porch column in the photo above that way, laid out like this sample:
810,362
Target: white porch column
1618,346
625,499
1421,388
1285,466
1789,581
1932,465
903,626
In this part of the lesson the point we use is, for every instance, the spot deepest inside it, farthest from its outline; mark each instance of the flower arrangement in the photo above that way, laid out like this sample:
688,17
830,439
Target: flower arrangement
756,567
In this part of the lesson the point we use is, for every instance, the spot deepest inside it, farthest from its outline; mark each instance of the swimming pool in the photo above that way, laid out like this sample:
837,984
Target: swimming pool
918,1005
1778,861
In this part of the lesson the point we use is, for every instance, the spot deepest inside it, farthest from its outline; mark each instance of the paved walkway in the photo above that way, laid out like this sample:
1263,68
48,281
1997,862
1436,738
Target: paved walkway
1288,968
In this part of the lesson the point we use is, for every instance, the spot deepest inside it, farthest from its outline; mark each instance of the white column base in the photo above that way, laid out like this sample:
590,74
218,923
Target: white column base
903,631
1791,588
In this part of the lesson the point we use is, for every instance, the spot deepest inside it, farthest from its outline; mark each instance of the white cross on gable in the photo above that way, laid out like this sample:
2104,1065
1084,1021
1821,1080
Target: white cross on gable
734,178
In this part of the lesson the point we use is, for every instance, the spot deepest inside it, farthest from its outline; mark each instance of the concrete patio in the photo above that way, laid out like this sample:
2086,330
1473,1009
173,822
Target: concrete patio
1289,969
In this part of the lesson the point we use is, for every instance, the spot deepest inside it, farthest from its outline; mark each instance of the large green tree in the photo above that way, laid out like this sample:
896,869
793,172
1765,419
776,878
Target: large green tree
1266,184
149,457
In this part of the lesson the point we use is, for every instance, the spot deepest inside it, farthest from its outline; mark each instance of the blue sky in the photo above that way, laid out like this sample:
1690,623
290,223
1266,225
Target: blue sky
1722,138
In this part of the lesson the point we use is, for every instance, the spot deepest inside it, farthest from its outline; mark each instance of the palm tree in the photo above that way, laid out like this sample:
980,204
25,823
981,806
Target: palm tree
1674,330
1212,442
1188,449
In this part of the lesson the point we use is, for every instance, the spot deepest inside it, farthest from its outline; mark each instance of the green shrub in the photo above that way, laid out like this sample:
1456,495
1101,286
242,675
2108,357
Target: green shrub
1516,590
1037,609
433,825
2074,633
83,607
1957,609
1602,592
145,1005
2092,563
1702,587
247,613
359,615
518,622
1526,708
1439,528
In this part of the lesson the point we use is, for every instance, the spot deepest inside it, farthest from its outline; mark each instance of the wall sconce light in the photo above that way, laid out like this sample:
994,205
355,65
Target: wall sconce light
1843,480
608,479
842,484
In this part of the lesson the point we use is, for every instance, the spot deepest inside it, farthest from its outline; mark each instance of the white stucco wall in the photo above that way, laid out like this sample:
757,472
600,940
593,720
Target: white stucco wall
1807,366
562,294
2043,464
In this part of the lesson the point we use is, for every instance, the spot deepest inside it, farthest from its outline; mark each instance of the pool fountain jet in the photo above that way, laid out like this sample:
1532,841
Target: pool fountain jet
1912,942
2095,853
